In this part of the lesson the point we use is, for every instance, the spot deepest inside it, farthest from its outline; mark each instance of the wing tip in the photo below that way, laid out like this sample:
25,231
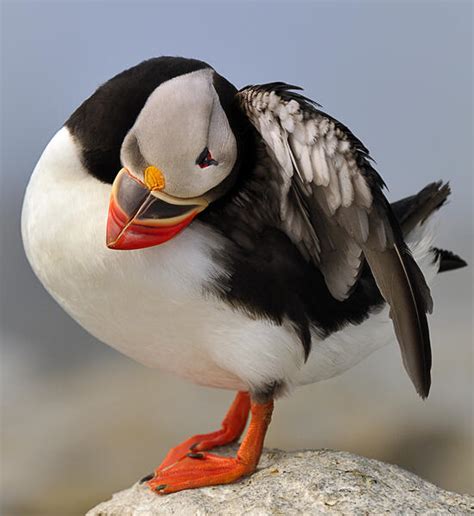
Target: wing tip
423,390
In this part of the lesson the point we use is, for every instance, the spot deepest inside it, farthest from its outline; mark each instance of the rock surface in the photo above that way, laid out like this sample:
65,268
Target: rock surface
304,482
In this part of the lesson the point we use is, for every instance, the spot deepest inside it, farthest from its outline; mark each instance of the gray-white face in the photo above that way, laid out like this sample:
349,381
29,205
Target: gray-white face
180,148
180,119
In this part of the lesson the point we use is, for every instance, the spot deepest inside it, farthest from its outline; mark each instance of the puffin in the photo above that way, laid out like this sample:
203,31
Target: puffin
240,239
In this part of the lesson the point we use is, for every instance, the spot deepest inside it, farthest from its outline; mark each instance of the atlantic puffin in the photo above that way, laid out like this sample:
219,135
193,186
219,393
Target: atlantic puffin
238,238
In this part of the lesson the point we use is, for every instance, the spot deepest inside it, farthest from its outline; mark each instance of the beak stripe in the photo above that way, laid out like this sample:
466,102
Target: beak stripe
141,215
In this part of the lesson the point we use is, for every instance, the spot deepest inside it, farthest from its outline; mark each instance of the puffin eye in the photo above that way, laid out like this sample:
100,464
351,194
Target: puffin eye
205,159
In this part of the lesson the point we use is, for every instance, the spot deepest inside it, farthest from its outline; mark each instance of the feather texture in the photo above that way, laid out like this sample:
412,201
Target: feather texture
333,209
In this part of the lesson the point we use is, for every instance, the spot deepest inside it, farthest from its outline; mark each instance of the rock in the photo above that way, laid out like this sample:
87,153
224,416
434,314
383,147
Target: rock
303,482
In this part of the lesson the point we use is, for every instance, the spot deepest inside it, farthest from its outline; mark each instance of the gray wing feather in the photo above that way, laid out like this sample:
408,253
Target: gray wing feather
333,209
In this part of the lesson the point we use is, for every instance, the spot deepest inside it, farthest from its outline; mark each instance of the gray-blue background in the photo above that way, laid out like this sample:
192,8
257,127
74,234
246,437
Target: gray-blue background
81,421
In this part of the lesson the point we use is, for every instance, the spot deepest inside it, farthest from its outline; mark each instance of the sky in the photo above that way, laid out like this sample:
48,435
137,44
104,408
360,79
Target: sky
399,74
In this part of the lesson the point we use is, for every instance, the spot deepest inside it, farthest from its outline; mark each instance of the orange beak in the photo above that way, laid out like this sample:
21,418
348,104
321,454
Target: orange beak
142,215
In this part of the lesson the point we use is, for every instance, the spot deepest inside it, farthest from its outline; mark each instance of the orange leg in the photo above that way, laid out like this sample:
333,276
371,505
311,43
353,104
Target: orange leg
205,469
231,429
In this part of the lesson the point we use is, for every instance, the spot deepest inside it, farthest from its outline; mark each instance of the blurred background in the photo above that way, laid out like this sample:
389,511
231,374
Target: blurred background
80,421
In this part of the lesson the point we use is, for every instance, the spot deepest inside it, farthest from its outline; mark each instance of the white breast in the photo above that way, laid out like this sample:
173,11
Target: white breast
150,304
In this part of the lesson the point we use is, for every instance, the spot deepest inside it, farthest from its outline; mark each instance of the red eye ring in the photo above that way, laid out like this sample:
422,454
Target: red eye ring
205,159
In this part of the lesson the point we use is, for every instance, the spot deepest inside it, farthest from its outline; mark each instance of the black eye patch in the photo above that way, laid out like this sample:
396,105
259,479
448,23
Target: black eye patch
205,159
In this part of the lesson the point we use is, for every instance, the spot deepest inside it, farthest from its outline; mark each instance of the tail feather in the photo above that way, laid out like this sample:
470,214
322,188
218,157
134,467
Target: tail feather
416,209
448,261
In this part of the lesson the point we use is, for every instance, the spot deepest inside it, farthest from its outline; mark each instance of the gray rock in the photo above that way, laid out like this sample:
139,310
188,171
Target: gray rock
304,482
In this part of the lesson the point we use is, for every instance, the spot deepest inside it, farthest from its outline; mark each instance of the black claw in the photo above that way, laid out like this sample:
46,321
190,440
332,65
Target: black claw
196,455
193,446
147,478
160,487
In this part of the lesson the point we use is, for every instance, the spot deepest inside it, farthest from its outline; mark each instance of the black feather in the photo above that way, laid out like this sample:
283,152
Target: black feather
416,209
404,287
448,261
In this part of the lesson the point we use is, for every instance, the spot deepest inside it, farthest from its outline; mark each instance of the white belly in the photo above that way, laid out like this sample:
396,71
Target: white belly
150,304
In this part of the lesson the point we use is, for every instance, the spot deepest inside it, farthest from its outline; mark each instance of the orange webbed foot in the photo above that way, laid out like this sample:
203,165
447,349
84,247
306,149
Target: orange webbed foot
232,427
199,469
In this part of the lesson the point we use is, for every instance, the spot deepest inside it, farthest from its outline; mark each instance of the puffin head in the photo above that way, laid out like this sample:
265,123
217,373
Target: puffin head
180,155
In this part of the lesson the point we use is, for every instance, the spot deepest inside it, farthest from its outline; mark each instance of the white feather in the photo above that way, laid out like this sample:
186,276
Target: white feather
305,164
323,126
311,131
273,101
149,303
362,193
288,124
345,183
343,146
297,146
299,134
333,194
318,159
330,143
293,107
282,112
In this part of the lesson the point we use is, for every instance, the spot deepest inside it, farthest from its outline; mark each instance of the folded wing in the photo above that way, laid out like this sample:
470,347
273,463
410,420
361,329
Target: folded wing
332,207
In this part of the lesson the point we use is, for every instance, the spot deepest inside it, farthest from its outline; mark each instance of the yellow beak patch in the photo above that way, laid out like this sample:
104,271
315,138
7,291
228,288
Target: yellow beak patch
154,178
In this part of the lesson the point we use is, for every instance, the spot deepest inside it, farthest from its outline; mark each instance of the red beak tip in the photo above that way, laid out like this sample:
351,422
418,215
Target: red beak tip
124,233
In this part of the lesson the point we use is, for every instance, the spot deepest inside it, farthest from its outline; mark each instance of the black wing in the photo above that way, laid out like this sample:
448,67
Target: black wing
332,207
